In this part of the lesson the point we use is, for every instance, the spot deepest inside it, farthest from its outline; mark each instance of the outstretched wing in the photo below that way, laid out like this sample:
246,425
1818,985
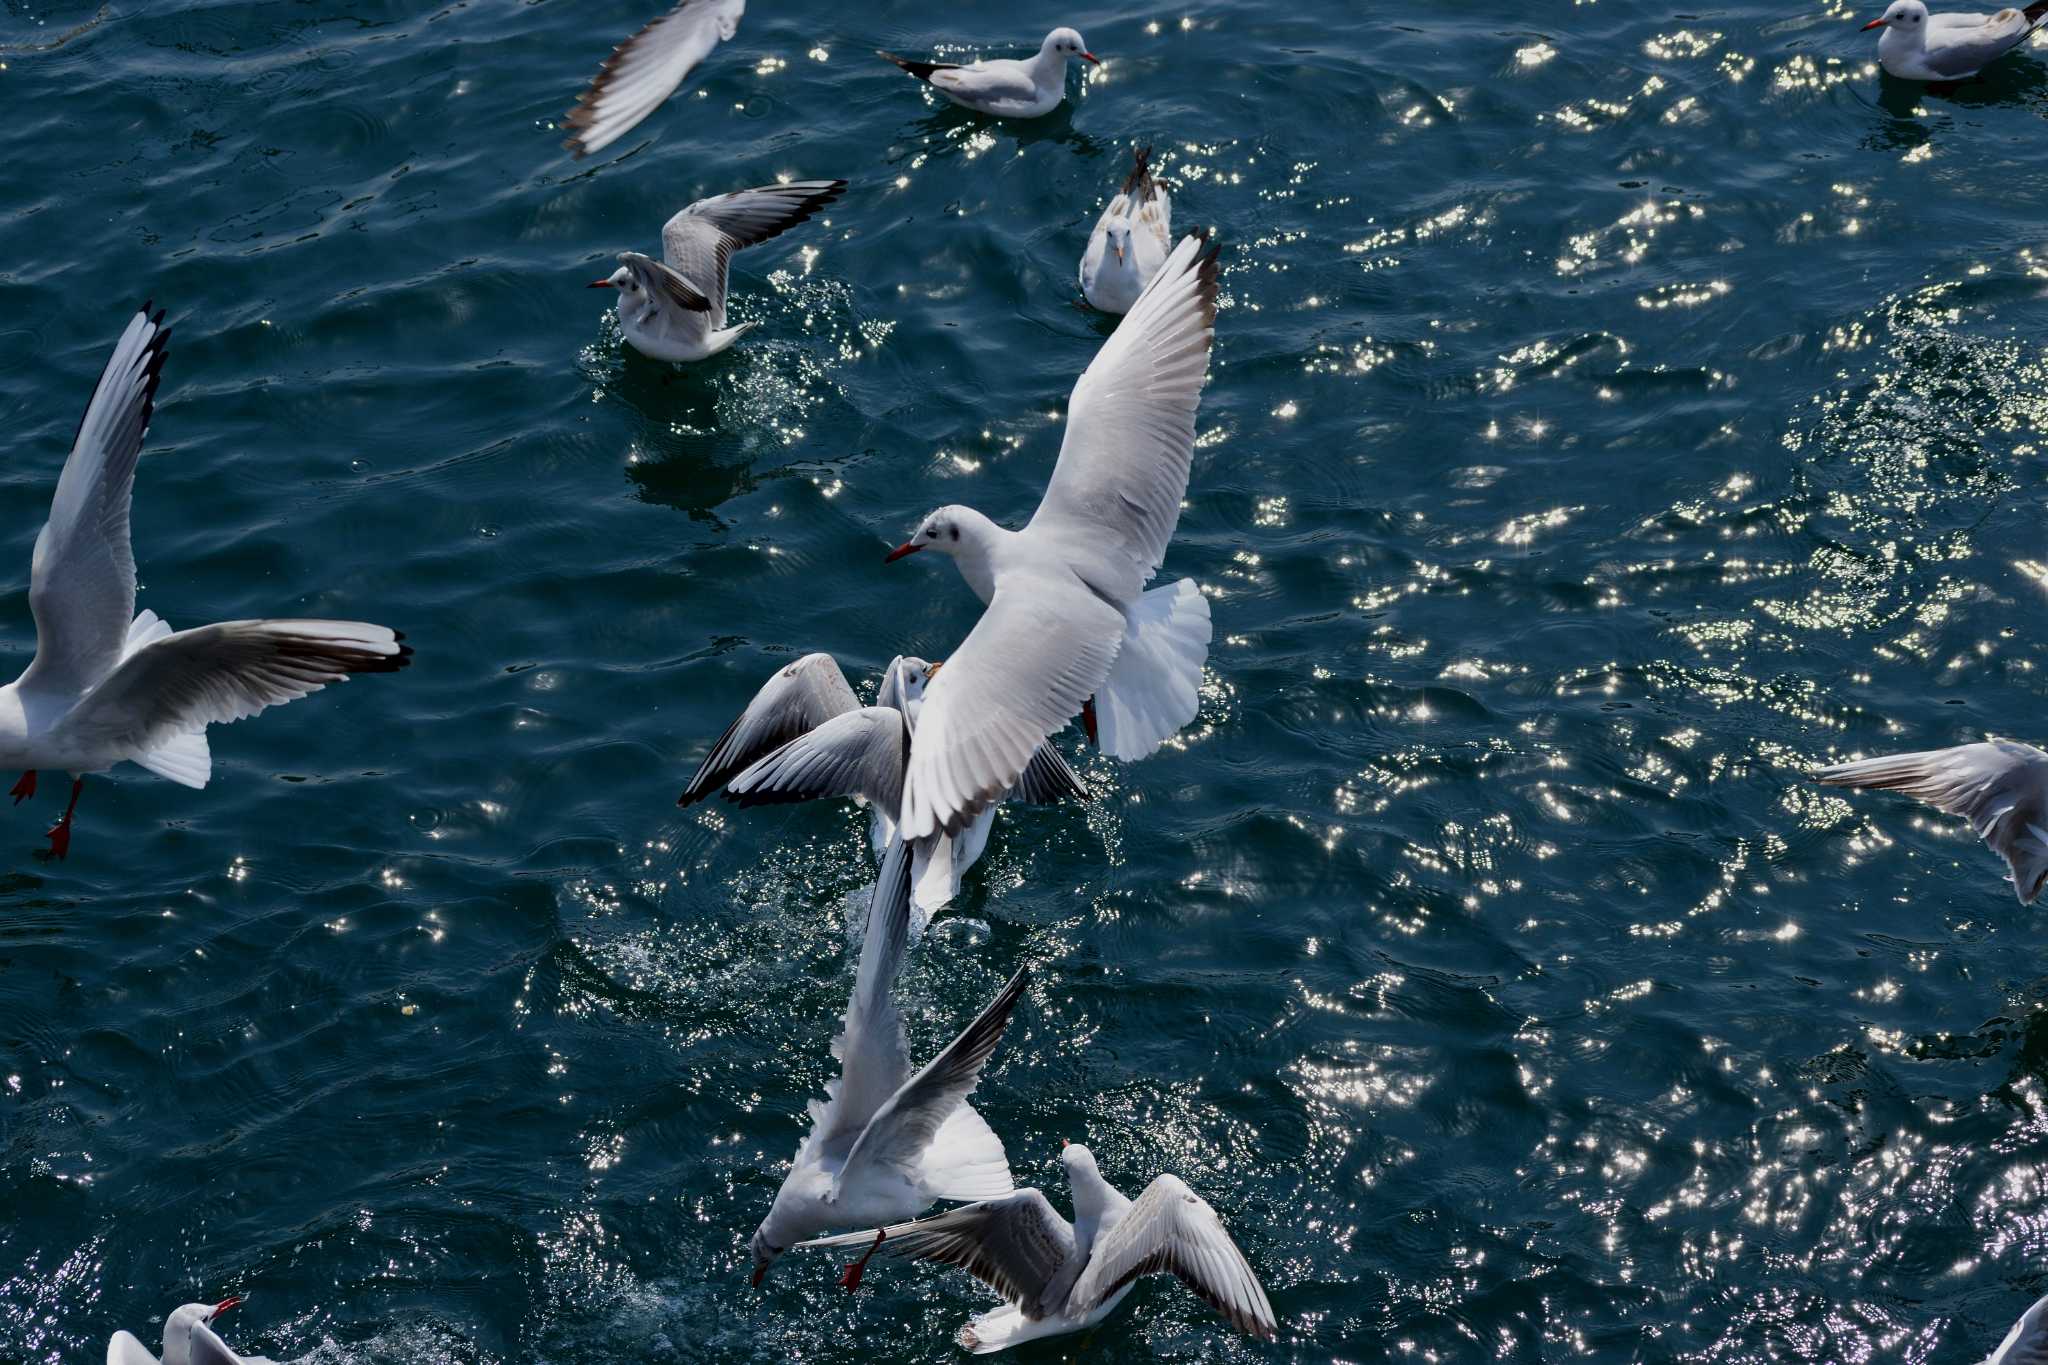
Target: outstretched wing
646,69
209,1349
82,579
874,1056
1123,467
1016,1244
860,753
1171,1228
700,240
896,1137
798,698
1999,786
1048,779
217,674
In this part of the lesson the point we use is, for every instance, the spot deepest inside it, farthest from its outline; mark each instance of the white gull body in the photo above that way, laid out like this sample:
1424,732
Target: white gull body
189,1339
1919,46
1130,242
805,736
1006,87
1057,1277
886,1143
1067,614
646,69
674,308
107,685
1999,786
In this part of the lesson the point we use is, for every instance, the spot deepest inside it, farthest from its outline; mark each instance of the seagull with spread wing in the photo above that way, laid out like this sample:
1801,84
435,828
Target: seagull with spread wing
107,685
2000,786
189,1339
887,1142
646,69
1058,1277
805,736
674,308
1067,614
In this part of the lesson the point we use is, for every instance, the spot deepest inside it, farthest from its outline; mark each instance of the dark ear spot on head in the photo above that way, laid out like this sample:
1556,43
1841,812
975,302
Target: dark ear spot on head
956,533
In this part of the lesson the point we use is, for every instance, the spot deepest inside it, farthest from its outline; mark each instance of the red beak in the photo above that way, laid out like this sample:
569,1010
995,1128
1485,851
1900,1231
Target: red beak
607,284
225,1304
1874,23
908,547
1090,56
1063,1144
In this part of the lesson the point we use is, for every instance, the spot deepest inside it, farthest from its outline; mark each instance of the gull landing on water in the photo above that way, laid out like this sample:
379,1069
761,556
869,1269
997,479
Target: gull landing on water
188,1340
1006,87
1918,46
1058,1277
646,69
1999,786
107,685
805,736
1067,613
674,308
1131,240
886,1143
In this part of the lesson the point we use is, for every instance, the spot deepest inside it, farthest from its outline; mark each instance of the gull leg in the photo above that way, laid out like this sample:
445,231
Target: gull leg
60,833
1088,721
24,789
850,1277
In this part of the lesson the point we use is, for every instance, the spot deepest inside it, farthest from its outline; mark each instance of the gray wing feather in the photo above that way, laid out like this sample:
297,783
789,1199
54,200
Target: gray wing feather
1047,779
700,240
662,282
646,69
2000,786
874,1057
798,699
1017,1244
1171,1228
82,578
860,753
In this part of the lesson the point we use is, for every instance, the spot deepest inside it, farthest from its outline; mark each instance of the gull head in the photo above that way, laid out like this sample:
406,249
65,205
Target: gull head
179,1325
905,681
765,1253
1907,16
1065,43
1119,235
623,281
941,531
1075,1157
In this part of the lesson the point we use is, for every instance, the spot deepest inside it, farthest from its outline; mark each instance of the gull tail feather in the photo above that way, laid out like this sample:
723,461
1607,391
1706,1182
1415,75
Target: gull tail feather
1155,686
184,759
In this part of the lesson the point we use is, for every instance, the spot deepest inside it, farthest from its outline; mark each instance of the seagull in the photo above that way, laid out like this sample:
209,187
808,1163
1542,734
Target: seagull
1131,240
1057,1277
886,1143
2000,786
646,69
674,308
2027,1342
1068,617
108,685
1005,87
805,735
188,1340
1918,46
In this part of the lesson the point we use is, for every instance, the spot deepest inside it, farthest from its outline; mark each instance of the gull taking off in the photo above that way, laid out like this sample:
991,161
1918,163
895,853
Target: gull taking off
646,69
886,1143
188,1340
1918,46
1999,786
1131,240
107,685
674,308
805,736
1006,87
1067,614
1057,1277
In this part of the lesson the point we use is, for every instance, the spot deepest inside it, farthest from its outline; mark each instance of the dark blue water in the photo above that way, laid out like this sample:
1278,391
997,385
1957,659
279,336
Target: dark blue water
1615,411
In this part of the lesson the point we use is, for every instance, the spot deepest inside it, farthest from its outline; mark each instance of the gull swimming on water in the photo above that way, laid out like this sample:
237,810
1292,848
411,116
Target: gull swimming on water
886,1143
1918,46
188,1340
1067,614
646,69
2000,786
1004,86
1058,1277
108,685
805,736
1131,240
674,308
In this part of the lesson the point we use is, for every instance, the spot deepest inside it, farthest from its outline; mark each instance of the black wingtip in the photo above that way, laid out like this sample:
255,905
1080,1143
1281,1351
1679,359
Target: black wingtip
921,70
